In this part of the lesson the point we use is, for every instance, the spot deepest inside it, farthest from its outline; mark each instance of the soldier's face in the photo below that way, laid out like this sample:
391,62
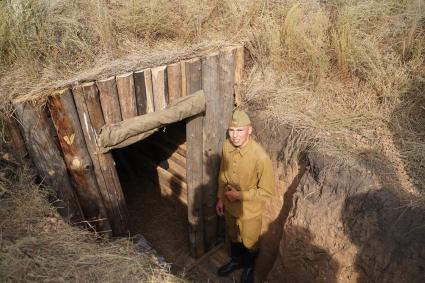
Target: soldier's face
239,136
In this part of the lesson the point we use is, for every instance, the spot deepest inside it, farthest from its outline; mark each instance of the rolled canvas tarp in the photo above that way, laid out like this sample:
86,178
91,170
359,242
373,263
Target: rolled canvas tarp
135,129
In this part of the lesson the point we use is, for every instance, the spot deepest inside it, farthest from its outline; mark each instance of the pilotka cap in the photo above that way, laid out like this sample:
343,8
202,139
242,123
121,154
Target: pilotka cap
239,119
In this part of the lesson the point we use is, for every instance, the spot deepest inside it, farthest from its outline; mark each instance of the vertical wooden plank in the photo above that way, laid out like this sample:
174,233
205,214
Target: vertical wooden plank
239,67
212,141
87,100
13,139
126,95
184,82
77,159
174,78
111,109
109,100
144,91
46,156
226,95
194,163
226,86
160,90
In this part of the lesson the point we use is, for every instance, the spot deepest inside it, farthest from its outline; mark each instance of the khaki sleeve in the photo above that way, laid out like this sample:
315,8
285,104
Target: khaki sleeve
266,182
221,179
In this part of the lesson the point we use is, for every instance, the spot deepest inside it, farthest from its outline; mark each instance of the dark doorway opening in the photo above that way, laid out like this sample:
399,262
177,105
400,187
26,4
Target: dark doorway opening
152,173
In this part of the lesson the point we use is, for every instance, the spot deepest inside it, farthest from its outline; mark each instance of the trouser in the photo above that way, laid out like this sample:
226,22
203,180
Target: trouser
246,231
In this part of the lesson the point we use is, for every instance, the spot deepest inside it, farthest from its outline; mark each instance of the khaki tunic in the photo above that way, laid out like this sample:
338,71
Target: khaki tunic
250,171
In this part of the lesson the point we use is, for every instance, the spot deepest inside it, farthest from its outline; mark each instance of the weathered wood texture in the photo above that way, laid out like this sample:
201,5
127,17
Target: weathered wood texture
77,159
144,91
239,67
47,158
226,86
213,141
184,81
109,100
111,109
174,78
226,91
14,142
160,89
126,94
170,185
193,76
90,113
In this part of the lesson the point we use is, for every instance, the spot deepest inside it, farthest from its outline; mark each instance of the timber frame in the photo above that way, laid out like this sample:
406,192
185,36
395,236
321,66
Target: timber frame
86,181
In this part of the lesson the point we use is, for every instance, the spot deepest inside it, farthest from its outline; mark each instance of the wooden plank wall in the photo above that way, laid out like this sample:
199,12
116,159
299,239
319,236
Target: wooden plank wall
163,156
45,154
124,96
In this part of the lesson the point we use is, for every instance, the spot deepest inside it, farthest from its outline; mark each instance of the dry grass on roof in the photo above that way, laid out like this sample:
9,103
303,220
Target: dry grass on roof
141,58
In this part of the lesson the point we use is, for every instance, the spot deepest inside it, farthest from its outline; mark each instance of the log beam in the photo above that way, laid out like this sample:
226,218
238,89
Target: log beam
193,76
160,89
47,158
126,94
144,91
13,139
239,67
77,159
87,100
109,100
174,79
213,141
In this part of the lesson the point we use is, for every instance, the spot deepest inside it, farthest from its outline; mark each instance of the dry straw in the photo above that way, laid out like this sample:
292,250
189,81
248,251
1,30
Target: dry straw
36,245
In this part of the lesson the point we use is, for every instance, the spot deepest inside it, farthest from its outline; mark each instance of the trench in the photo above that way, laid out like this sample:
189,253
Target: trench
152,173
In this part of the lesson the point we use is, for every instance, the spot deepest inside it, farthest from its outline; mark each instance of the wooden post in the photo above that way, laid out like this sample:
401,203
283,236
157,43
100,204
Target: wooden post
239,67
77,159
14,141
127,97
213,142
46,156
89,110
111,108
109,100
174,78
226,91
226,86
184,81
160,90
194,163
144,92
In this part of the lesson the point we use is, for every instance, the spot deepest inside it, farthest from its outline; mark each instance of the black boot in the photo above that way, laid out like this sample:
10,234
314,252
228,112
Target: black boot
248,266
237,251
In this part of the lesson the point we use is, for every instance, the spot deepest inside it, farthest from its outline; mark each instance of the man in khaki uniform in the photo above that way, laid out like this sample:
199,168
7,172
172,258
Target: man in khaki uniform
245,182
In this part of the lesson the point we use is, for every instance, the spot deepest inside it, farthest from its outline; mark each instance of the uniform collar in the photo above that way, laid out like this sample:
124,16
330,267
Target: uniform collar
243,150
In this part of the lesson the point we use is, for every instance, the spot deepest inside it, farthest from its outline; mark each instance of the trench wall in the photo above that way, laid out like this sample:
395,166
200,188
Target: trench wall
333,222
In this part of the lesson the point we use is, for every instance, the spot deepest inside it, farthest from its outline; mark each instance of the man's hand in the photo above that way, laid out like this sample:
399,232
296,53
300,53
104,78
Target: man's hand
219,207
232,194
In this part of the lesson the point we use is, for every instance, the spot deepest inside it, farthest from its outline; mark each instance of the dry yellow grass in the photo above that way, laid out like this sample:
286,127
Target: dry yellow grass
36,245
347,74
